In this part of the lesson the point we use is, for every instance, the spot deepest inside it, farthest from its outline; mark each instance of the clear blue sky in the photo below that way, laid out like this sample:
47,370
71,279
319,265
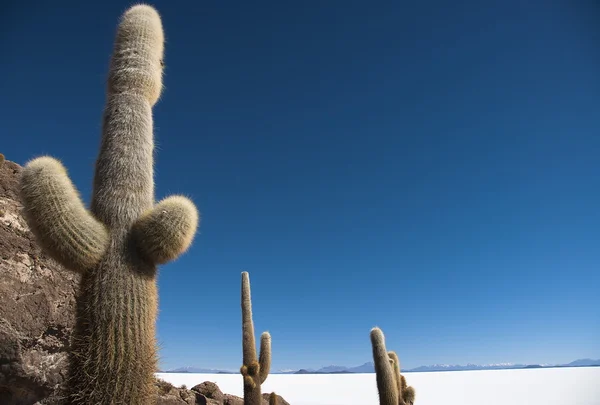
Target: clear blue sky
431,169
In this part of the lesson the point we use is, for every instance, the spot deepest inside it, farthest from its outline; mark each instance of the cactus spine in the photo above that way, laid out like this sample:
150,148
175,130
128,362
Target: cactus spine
254,371
391,385
117,245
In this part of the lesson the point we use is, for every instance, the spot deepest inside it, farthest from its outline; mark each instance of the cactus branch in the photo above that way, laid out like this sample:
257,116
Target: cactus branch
409,395
395,361
166,230
386,384
57,217
264,359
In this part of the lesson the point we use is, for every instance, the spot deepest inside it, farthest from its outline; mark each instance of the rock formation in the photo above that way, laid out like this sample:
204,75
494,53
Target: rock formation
37,305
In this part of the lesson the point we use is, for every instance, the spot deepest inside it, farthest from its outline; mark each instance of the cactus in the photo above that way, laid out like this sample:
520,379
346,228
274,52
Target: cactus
273,399
254,372
116,245
391,385
407,393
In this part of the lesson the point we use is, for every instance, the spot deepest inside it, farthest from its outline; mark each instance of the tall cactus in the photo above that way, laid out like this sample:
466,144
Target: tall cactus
117,245
255,371
391,385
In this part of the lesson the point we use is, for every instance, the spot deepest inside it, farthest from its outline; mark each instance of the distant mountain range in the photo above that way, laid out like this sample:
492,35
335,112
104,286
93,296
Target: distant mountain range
369,368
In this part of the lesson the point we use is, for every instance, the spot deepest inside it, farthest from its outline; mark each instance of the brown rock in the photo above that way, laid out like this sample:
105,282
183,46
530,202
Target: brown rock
280,400
37,298
168,394
232,400
210,390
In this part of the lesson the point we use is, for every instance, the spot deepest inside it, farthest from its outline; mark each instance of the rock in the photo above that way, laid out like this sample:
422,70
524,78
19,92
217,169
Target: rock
170,395
209,390
280,400
37,297
232,400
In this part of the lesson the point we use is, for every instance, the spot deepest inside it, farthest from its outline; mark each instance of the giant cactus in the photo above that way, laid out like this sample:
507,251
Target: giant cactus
390,383
255,371
117,245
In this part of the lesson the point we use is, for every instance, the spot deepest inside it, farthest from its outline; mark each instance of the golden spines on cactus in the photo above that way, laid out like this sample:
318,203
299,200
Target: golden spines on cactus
118,244
386,383
124,177
166,231
137,63
66,230
395,362
264,359
391,384
409,395
255,371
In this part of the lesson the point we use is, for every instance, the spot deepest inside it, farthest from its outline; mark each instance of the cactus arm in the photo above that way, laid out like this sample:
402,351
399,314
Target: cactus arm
395,361
403,385
167,230
248,343
409,395
63,227
386,385
264,360
123,181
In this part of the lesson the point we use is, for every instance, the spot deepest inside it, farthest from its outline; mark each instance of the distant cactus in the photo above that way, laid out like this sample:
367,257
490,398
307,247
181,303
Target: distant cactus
254,371
407,393
2,159
117,245
390,383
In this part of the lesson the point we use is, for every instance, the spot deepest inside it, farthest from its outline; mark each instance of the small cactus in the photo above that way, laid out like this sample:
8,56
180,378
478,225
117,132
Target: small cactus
254,371
117,244
273,399
391,385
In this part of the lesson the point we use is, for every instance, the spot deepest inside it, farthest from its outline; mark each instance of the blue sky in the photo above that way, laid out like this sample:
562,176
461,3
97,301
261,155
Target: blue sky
431,169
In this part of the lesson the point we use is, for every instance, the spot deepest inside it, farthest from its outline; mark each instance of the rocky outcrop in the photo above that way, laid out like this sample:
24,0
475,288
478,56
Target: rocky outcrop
206,393
37,308
37,315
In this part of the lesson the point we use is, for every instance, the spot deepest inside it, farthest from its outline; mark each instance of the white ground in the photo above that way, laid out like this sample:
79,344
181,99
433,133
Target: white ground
551,386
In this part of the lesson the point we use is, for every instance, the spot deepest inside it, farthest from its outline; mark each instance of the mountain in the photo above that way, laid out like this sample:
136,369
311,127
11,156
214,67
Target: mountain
370,368
332,369
458,367
583,363
197,370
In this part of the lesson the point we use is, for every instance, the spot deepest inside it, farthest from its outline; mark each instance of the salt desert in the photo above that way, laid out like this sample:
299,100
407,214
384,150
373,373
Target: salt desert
547,386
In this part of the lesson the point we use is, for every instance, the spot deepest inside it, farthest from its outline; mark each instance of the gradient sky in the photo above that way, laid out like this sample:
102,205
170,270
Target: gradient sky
432,169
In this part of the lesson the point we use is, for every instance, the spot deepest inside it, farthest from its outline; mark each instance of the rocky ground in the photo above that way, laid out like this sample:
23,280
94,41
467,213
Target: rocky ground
37,306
